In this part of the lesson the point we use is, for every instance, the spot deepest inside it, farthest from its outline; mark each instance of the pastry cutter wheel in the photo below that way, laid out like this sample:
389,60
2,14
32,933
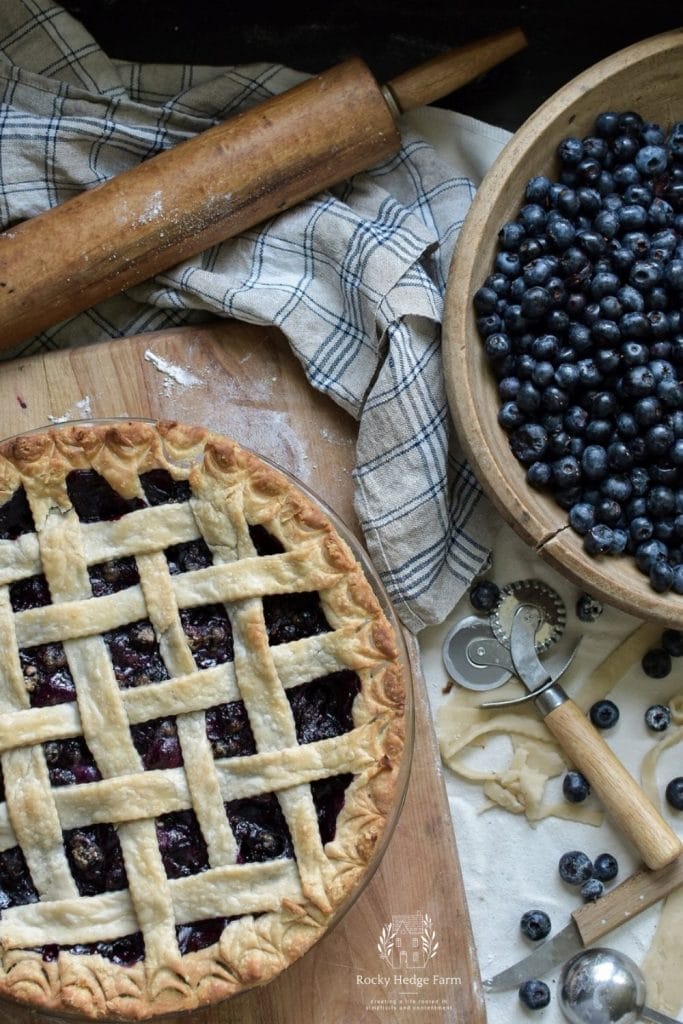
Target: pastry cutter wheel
510,644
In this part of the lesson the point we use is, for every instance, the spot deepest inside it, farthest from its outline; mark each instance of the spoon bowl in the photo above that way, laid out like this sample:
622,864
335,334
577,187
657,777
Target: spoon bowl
602,986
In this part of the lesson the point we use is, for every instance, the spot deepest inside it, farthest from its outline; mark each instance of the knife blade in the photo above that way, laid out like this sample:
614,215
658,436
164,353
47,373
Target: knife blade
591,922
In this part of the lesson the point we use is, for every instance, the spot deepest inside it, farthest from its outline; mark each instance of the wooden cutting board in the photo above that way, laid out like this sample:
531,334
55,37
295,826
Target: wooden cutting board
243,381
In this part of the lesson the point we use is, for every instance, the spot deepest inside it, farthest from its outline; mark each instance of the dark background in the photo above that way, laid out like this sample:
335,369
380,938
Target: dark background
391,35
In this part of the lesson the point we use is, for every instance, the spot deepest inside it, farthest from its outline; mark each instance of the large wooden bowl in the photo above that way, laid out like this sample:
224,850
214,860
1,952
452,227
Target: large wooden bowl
647,77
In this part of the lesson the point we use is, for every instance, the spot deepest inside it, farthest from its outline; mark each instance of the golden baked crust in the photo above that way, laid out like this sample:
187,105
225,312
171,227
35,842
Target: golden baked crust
279,907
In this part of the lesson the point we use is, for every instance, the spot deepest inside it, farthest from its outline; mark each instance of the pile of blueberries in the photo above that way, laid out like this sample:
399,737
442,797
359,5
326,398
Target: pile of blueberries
582,321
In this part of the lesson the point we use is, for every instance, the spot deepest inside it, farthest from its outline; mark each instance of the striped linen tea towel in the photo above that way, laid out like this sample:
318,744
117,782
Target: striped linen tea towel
354,278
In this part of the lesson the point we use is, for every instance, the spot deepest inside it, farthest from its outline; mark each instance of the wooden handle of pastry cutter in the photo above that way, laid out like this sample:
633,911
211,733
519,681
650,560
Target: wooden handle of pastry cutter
215,186
617,906
623,799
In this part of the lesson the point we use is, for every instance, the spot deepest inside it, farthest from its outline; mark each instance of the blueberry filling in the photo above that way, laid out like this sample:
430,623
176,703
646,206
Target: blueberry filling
94,499
328,797
110,577
181,844
229,731
15,516
16,884
209,634
264,542
161,489
193,554
125,951
293,616
47,675
96,860
135,655
260,829
32,592
70,763
200,934
322,708
157,744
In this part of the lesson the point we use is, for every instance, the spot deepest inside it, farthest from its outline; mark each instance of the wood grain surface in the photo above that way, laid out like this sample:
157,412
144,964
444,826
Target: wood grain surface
243,381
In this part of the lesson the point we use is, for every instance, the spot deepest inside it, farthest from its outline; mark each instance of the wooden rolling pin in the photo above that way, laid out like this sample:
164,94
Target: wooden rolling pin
216,185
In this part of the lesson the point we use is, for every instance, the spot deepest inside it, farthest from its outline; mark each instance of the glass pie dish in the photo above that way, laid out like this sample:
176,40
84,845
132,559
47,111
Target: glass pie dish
205,719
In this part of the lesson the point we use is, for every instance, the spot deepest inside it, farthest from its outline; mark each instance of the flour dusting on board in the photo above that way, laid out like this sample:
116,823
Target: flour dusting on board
81,410
173,374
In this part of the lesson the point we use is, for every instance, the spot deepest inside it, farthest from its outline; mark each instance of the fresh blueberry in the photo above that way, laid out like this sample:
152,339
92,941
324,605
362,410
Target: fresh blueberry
582,518
607,124
594,462
575,867
604,714
533,218
588,608
674,793
539,474
570,151
537,188
649,554
510,416
528,442
534,994
575,787
535,925
599,539
605,867
656,663
658,717
672,642
592,889
511,235
497,345
661,576
566,471
484,596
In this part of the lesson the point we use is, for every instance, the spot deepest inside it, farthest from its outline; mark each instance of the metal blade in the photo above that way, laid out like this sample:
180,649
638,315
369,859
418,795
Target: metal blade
548,955
528,666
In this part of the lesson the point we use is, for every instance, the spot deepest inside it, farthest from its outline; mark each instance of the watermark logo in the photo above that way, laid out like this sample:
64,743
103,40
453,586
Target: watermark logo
408,942
409,982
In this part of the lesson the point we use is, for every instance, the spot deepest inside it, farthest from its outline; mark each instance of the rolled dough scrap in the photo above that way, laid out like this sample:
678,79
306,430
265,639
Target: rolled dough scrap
519,786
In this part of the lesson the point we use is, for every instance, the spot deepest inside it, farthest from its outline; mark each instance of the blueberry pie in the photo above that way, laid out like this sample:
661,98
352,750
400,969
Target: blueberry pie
201,720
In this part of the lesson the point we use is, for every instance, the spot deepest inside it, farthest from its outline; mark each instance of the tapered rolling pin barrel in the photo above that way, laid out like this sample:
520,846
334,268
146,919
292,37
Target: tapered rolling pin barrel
215,186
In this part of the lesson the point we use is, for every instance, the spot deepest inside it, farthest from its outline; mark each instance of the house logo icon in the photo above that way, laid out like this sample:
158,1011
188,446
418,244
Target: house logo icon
408,942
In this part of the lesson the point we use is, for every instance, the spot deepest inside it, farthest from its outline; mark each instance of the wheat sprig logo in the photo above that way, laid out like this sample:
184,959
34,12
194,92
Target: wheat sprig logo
428,937
385,946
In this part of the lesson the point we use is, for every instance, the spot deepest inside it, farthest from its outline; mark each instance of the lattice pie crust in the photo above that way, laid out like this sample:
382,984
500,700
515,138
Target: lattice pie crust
273,909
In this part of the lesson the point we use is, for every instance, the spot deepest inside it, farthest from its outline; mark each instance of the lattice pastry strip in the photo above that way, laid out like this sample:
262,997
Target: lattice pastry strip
271,738
260,686
222,891
106,730
205,794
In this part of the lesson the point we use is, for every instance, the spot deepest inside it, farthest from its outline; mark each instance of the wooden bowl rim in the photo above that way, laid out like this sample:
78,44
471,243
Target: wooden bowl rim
548,533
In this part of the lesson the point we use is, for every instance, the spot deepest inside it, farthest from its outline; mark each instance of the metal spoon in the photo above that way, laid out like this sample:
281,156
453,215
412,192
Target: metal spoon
602,986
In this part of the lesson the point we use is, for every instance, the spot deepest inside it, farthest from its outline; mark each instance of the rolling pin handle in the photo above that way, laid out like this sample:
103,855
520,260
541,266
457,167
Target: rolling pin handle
623,799
442,75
